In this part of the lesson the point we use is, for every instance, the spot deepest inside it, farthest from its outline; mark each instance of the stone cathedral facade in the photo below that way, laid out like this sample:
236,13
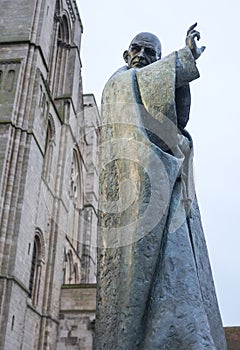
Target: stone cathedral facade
48,179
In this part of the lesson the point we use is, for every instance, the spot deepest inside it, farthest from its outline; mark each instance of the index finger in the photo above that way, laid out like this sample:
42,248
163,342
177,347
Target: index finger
191,28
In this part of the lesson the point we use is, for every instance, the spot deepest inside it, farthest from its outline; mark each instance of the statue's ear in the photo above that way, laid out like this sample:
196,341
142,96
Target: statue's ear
125,56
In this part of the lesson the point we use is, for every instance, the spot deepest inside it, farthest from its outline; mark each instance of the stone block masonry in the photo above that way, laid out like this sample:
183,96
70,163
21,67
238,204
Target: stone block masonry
48,176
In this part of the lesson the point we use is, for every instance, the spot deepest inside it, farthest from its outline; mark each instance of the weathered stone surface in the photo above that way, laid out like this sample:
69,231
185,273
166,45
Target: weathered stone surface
48,176
16,20
77,316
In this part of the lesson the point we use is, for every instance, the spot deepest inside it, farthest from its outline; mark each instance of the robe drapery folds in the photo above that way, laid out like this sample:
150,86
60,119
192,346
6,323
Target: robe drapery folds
155,287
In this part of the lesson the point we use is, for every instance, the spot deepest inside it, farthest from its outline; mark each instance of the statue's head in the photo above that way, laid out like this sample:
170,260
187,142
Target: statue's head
144,49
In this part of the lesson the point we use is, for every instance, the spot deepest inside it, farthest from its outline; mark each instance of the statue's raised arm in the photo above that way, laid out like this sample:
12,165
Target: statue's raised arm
191,43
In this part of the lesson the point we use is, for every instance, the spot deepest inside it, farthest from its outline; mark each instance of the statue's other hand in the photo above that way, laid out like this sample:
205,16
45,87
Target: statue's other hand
191,43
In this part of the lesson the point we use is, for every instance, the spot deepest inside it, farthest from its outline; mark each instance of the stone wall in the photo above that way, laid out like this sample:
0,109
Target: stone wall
48,171
77,317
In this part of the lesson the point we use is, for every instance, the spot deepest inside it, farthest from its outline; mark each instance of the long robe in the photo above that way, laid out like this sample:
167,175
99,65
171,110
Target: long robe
154,283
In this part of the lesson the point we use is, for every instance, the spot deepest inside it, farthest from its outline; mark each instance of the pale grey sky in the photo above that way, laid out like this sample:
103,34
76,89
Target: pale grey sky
109,27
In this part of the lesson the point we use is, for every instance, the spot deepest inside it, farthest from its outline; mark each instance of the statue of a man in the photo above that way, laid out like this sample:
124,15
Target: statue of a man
155,287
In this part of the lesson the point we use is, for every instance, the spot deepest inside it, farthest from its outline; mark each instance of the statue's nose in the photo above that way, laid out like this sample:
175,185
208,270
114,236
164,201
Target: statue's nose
141,52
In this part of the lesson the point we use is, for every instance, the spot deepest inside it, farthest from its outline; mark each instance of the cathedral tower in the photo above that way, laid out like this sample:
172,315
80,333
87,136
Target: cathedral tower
48,172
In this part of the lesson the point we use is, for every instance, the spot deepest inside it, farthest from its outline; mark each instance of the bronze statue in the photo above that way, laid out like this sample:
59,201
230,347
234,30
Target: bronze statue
155,287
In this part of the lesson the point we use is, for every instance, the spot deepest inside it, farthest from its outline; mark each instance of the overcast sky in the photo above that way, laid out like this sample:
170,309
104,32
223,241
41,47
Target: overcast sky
214,123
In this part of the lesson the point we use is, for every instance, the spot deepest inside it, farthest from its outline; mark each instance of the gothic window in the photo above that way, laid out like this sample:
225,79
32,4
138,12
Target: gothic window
36,267
76,181
61,57
76,199
33,268
57,8
48,153
69,268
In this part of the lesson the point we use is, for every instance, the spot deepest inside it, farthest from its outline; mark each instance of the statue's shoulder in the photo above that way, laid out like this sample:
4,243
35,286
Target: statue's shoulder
119,71
115,79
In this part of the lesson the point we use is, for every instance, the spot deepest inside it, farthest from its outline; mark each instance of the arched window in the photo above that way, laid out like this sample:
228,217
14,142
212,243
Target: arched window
36,267
76,199
48,154
76,192
57,8
33,268
69,268
61,57
76,274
